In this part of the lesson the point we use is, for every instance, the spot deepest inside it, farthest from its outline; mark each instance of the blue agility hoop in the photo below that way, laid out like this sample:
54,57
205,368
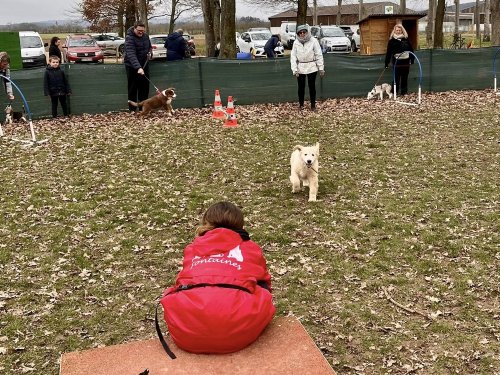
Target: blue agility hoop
495,72
33,141
419,80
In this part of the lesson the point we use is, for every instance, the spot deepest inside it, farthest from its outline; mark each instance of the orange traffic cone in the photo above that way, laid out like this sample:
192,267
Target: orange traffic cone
230,113
218,112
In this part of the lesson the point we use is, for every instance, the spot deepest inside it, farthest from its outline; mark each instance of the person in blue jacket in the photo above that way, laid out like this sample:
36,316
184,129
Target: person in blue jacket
138,50
176,46
272,43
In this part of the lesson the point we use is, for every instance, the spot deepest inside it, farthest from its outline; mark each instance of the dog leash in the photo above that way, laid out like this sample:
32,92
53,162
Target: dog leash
380,76
144,75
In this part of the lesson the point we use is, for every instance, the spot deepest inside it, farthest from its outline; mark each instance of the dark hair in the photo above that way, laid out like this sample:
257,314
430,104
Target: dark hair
221,215
54,40
139,23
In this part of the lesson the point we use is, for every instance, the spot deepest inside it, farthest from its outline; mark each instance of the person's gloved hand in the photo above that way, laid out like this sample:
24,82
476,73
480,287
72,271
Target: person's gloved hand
296,74
321,73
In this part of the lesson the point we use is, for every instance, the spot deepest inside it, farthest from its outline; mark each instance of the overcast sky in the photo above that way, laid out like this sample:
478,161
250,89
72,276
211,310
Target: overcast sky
18,11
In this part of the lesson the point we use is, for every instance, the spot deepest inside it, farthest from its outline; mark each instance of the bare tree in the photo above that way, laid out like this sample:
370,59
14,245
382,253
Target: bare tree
438,24
429,29
339,12
208,10
478,20
301,12
457,16
402,6
487,20
315,12
228,30
495,22
361,10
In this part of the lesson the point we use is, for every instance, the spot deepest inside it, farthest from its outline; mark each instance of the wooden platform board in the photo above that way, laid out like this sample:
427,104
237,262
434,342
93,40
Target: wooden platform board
285,348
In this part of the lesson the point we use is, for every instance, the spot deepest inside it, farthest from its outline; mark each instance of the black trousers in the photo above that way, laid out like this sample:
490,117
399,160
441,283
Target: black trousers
137,85
401,75
61,99
311,83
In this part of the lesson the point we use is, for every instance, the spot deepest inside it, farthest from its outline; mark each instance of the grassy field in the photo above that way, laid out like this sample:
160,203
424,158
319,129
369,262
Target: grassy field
393,270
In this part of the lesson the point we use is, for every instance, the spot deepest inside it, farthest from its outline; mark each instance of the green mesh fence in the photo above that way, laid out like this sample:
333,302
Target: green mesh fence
103,88
9,42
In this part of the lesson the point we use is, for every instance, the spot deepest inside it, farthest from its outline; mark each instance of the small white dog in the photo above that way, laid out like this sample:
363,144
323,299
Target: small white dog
380,90
304,168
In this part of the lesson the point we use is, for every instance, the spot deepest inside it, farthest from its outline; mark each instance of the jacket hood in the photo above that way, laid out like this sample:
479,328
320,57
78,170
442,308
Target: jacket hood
130,31
174,35
216,241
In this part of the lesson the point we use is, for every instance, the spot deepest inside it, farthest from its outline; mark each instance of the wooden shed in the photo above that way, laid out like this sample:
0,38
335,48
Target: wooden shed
376,30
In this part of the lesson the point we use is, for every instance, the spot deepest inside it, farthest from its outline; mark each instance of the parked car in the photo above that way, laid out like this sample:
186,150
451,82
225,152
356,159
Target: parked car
158,44
82,48
287,33
110,43
347,31
257,40
259,29
32,49
333,40
356,40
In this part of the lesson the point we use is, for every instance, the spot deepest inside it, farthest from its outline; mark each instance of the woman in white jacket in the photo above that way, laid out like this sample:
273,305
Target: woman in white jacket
306,60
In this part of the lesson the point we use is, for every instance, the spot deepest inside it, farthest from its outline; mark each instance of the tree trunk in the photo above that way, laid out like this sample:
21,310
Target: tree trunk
129,15
301,12
339,13
495,22
207,7
438,24
457,16
402,6
487,20
171,22
361,10
429,29
217,18
228,30
142,11
315,12
478,21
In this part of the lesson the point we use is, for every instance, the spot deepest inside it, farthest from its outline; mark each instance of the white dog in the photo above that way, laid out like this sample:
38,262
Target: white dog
304,168
379,90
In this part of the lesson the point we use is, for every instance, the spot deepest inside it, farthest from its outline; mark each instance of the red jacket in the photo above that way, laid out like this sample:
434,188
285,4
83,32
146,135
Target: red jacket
215,319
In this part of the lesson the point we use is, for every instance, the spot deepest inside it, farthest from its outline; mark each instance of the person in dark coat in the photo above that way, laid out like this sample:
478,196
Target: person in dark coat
272,43
54,48
137,52
56,85
398,48
176,46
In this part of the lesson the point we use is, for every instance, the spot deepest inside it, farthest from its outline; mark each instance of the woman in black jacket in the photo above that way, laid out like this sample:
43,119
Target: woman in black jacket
54,47
398,48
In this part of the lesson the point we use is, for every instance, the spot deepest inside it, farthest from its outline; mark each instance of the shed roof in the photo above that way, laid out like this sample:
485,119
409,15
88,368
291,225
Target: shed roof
405,16
344,9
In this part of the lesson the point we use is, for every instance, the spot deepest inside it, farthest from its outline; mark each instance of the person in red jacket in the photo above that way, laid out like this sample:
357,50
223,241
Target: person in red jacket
221,301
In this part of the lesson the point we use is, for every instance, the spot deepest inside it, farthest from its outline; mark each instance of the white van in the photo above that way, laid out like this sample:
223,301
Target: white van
287,34
32,49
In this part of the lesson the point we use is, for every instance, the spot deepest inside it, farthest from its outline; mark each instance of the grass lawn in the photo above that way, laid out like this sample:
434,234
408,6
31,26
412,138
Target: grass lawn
393,270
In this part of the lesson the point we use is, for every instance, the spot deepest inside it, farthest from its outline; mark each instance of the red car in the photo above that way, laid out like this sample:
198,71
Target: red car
82,48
